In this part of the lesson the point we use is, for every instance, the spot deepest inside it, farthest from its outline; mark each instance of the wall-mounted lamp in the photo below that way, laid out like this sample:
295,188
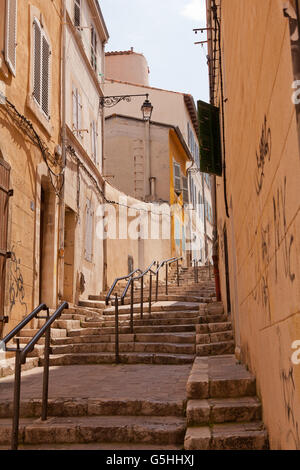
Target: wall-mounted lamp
110,101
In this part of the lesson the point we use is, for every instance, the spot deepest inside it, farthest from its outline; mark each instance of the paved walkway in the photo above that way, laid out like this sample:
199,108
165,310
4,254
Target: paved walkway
115,382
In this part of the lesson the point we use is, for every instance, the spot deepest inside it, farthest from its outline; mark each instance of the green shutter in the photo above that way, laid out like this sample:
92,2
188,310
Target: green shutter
209,139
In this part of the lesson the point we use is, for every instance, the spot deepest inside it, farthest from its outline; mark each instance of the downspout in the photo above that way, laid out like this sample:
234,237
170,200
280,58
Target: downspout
61,234
104,281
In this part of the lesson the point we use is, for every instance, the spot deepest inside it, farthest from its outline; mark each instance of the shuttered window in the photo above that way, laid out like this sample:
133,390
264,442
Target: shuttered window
41,67
77,111
177,177
89,217
209,139
94,49
94,136
77,13
185,189
11,35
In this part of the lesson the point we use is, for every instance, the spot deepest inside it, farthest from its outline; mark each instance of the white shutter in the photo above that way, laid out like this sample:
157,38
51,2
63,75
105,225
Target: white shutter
177,180
185,190
37,53
77,13
45,76
11,35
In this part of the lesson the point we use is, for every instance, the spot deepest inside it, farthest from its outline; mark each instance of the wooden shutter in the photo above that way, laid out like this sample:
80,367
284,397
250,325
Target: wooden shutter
185,193
45,65
94,48
177,177
77,13
11,35
209,139
4,198
37,53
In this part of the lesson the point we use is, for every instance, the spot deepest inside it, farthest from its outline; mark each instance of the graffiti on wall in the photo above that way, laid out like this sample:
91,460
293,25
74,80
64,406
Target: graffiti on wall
289,391
263,154
16,284
280,229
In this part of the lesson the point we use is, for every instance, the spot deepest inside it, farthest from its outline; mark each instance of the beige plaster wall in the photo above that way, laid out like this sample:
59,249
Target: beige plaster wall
127,67
263,195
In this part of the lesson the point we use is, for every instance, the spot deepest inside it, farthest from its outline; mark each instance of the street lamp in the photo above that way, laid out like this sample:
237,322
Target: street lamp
110,101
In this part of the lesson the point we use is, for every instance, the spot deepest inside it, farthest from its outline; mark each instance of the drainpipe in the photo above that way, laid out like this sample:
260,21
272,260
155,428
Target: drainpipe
61,230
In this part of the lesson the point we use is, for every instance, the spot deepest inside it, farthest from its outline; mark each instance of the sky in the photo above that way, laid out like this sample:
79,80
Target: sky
163,31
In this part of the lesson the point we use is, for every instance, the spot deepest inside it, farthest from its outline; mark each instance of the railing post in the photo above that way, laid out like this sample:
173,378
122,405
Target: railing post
197,272
194,271
150,294
177,267
166,278
156,293
142,297
131,305
17,392
117,357
46,372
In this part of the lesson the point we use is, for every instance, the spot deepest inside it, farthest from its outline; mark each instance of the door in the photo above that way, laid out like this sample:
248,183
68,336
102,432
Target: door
69,254
5,193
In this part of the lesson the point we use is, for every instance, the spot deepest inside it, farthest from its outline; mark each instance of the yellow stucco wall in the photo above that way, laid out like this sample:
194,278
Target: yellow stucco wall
263,231
25,159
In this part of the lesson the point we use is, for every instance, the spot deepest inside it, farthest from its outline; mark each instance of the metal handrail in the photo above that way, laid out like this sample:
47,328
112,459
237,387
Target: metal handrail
21,356
131,280
116,282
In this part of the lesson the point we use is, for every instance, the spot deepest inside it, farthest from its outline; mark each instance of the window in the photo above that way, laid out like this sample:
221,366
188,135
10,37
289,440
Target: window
77,112
11,35
94,49
185,191
94,136
77,13
41,67
177,178
89,218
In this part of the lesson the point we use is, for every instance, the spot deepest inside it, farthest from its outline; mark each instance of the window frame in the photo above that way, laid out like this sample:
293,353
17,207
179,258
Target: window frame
12,67
43,36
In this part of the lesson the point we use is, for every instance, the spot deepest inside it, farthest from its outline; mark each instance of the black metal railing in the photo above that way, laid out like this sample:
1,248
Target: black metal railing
132,278
21,356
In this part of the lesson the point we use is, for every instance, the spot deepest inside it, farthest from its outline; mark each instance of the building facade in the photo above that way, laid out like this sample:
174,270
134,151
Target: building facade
258,217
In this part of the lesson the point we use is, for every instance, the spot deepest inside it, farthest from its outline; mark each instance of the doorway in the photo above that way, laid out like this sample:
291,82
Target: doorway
69,254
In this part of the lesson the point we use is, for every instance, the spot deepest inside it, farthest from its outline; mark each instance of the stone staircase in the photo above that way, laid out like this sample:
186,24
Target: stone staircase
187,331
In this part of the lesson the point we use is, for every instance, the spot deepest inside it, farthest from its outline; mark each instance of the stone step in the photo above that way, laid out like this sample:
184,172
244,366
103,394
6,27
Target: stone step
214,349
181,314
213,327
232,436
64,407
209,338
182,328
222,410
134,429
147,321
219,377
124,347
175,298
187,338
164,306
125,358
7,366
55,332
112,446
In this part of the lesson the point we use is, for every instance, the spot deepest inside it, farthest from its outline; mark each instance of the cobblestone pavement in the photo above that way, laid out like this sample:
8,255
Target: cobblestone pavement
137,381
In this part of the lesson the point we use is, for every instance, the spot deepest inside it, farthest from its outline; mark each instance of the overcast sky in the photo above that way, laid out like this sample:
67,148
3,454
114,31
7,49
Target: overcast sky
163,31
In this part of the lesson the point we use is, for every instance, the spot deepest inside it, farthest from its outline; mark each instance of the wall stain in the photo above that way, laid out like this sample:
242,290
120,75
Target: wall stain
289,389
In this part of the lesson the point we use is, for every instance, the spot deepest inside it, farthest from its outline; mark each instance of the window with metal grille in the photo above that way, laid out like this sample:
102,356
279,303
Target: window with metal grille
89,218
11,35
77,13
177,177
185,190
94,49
94,136
77,111
41,67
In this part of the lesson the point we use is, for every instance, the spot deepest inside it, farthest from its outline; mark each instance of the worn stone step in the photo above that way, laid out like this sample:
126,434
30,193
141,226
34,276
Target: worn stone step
222,410
135,429
219,377
170,297
67,407
154,315
137,347
7,366
208,338
30,332
163,306
125,358
147,320
147,337
213,349
182,328
240,436
96,446
213,327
